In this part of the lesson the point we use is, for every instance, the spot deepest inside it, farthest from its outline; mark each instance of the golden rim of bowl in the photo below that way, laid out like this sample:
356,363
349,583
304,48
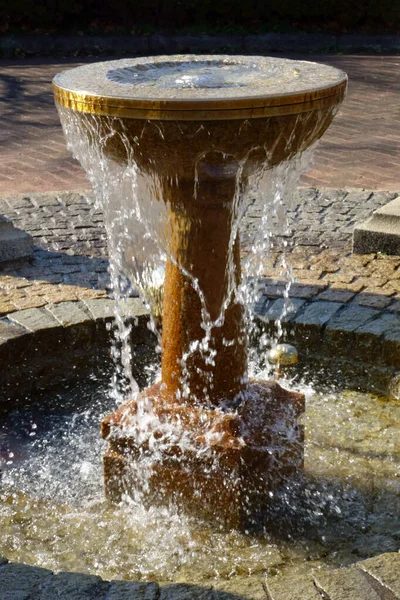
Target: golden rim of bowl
200,108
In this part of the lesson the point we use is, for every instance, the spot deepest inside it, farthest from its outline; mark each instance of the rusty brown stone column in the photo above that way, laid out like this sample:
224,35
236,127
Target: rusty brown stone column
201,228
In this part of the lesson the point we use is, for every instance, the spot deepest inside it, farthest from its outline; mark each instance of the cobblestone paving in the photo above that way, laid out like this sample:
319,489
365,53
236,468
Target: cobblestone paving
361,149
70,257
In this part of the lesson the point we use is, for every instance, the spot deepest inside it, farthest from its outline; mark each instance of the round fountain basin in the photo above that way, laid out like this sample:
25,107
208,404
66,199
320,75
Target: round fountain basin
344,507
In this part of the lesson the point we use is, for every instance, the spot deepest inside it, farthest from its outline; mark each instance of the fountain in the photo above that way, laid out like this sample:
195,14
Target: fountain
175,147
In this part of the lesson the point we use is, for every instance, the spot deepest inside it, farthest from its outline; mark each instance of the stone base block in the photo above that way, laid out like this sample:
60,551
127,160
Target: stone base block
217,464
380,232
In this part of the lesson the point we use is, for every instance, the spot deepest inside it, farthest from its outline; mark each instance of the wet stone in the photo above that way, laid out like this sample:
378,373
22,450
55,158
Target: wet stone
318,313
392,347
376,544
20,582
101,308
343,584
261,306
133,307
69,313
74,586
352,317
34,319
132,590
336,295
386,569
298,290
9,330
287,588
239,588
280,306
182,591
384,323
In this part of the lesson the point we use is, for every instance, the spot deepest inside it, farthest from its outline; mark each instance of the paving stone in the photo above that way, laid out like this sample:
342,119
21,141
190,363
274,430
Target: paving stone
238,588
101,309
382,325
351,318
261,306
69,313
290,588
132,590
298,290
386,569
375,298
276,309
318,313
133,307
3,561
34,319
74,586
182,591
343,584
22,582
336,295
9,330
392,348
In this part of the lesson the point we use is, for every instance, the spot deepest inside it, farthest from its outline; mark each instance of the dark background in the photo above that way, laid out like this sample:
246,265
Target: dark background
208,16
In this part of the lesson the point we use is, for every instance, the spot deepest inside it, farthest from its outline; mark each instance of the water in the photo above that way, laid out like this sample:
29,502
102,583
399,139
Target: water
138,201
52,509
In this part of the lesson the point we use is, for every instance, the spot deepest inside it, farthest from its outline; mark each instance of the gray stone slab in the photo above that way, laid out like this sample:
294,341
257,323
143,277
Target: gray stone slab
289,588
69,313
279,306
34,319
74,586
133,307
132,590
352,317
101,308
344,584
382,325
260,307
386,569
318,312
9,330
239,588
5,225
380,232
18,581
183,591
14,245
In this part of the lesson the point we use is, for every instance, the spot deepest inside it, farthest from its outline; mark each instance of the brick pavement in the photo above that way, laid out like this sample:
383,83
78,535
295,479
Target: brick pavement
361,149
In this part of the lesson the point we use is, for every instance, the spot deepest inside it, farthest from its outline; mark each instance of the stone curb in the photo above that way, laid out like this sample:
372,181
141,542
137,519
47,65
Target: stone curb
359,344
376,578
47,45
65,342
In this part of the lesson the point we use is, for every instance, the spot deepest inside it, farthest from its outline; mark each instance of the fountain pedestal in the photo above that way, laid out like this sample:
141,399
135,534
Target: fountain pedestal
200,128
231,460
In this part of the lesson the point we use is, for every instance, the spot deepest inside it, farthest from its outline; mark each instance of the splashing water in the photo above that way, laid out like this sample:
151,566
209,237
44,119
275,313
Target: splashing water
53,513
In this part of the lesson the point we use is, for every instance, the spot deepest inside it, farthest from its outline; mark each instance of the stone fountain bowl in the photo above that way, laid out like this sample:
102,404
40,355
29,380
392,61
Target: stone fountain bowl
181,106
